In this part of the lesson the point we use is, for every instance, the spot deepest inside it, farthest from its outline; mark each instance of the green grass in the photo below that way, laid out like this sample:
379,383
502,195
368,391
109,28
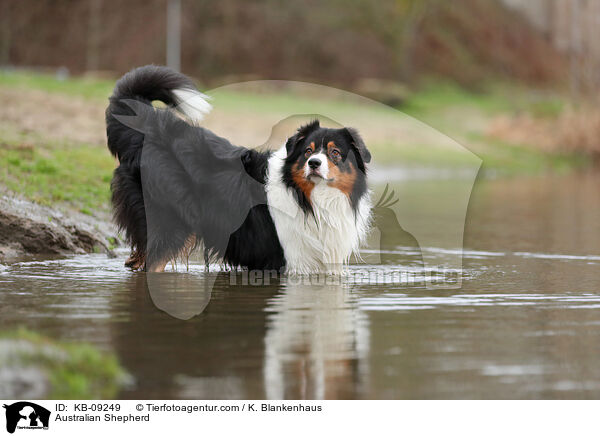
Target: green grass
433,96
514,159
74,370
93,88
418,155
451,109
445,107
496,157
77,174
51,172
289,102
436,96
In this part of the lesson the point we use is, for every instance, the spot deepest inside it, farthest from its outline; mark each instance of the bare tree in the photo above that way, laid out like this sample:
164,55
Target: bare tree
174,34
94,31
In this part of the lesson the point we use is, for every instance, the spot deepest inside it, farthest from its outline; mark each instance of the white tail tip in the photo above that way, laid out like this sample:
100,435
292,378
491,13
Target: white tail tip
192,103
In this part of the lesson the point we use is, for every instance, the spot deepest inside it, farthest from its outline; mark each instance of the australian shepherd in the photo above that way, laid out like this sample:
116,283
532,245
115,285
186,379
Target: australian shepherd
302,209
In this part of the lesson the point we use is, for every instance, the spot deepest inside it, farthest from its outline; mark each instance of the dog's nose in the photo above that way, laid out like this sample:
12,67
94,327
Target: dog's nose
314,163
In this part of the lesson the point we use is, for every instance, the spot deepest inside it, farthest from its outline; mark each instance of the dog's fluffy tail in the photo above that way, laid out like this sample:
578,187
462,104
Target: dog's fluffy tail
146,84
143,85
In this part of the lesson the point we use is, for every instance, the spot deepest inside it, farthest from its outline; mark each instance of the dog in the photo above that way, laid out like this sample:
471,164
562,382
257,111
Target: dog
302,209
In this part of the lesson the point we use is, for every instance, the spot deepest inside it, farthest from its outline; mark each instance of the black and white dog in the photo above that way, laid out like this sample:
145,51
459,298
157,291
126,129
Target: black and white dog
302,209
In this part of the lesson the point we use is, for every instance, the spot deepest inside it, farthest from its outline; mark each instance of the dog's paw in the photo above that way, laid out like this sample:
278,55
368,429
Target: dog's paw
136,261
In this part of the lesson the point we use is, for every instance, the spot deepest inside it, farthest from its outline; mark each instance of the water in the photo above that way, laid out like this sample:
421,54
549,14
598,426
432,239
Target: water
524,324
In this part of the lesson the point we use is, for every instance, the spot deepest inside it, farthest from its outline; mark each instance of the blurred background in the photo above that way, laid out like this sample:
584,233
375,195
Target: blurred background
515,81
470,42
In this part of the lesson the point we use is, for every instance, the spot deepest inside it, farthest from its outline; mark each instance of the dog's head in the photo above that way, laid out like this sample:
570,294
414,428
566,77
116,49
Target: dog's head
335,157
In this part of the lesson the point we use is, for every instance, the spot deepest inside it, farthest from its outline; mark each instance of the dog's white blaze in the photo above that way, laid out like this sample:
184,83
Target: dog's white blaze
192,103
322,244
324,168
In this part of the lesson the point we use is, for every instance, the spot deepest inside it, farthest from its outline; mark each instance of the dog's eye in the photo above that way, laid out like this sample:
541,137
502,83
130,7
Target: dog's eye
308,152
335,154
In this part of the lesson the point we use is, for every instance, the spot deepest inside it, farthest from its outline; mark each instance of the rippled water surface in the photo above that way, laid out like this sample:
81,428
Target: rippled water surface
524,322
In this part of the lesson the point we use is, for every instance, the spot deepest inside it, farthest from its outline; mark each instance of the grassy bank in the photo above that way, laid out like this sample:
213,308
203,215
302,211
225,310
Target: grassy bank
90,88
70,165
471,119
54,172
68,370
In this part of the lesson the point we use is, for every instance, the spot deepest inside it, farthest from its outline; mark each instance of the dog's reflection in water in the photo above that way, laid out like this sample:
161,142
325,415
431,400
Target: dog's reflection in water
183,296
313,342
314,338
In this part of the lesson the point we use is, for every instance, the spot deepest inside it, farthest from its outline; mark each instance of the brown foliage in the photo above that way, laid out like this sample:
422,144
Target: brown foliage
471,40
334,42
573,131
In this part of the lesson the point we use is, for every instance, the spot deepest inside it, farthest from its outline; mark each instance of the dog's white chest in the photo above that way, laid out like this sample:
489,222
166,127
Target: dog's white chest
322,242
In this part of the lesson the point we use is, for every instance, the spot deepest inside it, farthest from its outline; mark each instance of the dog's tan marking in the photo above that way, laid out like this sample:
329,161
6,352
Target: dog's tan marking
331,145
158,266
344,181
187,249
183,255
306,186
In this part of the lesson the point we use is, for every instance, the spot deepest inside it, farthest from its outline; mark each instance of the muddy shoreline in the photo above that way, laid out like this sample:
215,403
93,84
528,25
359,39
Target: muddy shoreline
29,229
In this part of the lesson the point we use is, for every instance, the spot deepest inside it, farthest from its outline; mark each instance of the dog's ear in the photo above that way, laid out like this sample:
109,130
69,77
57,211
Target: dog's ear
358,144
301,133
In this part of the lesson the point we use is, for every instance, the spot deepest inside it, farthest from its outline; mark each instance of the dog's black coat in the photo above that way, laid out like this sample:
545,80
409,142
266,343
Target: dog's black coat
192,180
176,180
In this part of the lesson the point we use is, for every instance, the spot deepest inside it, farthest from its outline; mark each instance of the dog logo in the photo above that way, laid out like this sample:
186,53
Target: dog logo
26,415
